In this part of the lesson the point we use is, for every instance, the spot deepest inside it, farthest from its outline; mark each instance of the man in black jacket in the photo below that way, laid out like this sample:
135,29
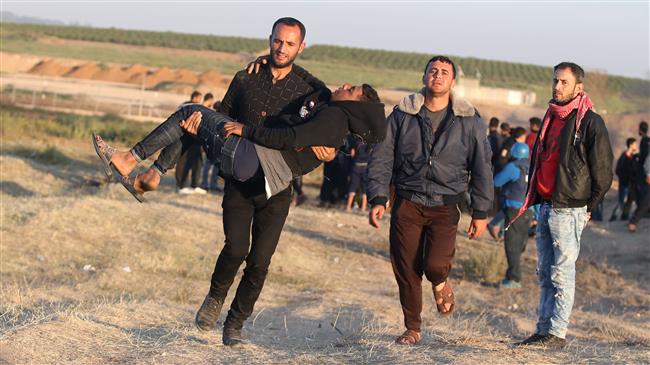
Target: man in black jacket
626,169
570,172
247,213
641,188
436,148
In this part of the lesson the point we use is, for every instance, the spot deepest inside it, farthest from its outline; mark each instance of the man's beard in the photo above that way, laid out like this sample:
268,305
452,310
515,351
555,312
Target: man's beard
567,100
284,64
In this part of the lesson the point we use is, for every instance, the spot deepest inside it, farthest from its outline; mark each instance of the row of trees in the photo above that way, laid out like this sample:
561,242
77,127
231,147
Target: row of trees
139,37
491,73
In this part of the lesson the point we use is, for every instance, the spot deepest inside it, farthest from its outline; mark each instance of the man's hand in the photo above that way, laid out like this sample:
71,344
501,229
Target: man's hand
233,128
191,124
647,179
376,214
476,228
325,154
254,67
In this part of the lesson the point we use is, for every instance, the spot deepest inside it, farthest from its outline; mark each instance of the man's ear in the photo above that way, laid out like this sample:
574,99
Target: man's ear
580,88
453,83
302,47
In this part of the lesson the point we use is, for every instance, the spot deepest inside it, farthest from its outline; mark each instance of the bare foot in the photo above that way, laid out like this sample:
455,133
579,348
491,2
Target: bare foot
147,181
124,162
631,227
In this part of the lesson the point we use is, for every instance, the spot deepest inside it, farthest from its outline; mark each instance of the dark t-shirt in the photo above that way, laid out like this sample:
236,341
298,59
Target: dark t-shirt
435,117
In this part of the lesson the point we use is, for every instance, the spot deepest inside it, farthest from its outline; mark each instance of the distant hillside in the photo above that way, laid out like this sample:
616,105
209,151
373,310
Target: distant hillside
615,93
139,37
10,17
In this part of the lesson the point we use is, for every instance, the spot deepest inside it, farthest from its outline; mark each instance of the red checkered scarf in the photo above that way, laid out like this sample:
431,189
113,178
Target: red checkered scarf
582,103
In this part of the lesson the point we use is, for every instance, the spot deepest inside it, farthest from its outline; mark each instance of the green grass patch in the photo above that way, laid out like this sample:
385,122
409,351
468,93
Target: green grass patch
50,155
17,123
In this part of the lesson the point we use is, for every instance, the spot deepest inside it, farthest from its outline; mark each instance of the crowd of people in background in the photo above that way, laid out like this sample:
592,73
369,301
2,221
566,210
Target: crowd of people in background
345,177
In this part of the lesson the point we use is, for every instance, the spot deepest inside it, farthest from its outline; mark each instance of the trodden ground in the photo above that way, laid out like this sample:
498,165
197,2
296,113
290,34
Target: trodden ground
90,276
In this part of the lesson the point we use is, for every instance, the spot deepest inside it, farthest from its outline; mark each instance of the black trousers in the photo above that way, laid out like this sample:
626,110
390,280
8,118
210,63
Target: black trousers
252,226
643,205
515,241
190,161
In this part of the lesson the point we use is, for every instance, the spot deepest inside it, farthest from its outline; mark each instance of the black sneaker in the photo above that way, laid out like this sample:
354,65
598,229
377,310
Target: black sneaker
552,341
534,339
208,314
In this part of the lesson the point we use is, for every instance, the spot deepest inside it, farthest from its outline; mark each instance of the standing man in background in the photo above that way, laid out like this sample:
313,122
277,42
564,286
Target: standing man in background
190,159
627,168
534,124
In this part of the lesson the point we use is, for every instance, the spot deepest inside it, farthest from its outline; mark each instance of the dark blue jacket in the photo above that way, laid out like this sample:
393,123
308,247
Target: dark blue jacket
433,169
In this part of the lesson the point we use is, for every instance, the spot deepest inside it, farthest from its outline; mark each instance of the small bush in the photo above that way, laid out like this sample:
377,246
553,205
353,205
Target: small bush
484,267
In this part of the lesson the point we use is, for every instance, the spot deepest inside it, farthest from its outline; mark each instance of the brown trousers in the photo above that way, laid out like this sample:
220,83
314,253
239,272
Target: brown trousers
422,240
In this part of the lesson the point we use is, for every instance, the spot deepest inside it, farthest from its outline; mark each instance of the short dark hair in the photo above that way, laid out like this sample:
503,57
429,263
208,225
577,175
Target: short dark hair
576,70
208,96
643,127
195,94
535,121
369,94
505,126
518,132
629,141
442,59
494,122
292,22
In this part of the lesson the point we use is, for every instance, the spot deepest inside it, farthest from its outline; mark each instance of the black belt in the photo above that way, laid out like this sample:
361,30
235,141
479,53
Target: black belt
441,199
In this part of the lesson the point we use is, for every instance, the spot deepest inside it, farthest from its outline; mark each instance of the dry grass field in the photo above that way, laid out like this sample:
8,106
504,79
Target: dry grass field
90,276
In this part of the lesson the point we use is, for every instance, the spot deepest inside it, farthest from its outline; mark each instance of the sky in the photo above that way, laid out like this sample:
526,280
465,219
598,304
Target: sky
603,36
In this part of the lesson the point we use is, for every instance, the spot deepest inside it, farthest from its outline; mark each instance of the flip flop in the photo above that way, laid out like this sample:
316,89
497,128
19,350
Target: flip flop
128,183
105,153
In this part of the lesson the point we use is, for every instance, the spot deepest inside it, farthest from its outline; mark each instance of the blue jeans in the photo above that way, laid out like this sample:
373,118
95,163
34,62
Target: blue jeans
173,141
558,246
